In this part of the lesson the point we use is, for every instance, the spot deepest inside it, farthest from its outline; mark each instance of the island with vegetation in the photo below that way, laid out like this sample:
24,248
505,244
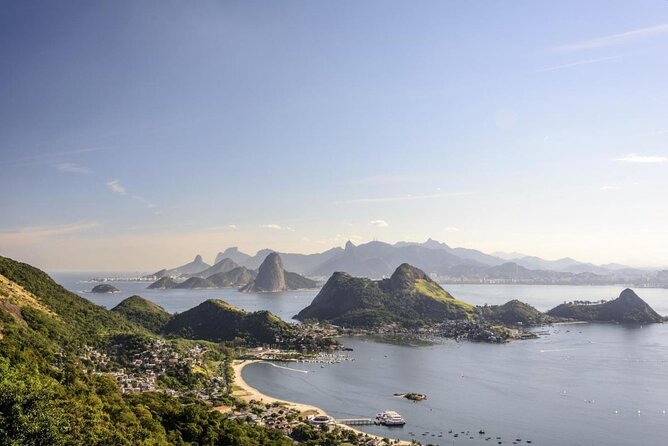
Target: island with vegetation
104,288
628,308
408,301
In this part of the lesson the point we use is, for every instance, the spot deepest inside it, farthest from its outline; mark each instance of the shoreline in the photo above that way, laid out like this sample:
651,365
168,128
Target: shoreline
248,393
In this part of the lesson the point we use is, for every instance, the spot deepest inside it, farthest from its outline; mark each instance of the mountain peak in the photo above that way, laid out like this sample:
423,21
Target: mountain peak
198,259
406,275
629,295
270,276
349,246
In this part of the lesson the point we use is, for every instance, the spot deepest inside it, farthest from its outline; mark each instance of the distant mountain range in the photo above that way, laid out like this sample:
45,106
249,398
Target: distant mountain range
441,262
271,277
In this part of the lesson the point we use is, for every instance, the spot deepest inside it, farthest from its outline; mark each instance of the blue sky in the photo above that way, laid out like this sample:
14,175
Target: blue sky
136,134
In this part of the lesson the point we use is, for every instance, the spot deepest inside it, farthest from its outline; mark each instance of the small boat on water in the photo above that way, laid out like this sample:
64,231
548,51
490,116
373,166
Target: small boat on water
390,418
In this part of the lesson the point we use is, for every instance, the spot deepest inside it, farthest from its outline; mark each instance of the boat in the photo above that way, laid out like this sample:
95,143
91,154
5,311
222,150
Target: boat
390,418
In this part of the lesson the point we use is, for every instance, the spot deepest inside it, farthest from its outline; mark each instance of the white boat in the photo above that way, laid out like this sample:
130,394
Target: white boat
390,418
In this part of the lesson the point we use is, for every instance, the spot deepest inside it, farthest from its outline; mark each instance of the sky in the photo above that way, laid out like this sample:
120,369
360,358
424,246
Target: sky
134,135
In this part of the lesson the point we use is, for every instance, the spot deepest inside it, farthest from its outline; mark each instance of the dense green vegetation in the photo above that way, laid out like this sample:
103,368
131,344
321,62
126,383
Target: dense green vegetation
49,395
215,320
409,297
627,308
104,288
512,313
143,312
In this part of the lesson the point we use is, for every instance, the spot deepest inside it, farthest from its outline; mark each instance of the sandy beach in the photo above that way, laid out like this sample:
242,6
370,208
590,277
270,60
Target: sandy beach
247,393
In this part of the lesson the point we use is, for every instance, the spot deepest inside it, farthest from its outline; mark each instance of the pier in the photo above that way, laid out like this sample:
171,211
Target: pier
356,421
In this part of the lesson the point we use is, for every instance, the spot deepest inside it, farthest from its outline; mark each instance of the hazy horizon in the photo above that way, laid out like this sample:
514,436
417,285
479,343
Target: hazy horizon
136,135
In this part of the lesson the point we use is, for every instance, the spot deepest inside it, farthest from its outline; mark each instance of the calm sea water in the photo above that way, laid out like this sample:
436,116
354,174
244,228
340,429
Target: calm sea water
584,384
592,384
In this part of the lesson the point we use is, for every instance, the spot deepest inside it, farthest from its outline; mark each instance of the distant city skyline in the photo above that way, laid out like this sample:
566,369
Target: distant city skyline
135,135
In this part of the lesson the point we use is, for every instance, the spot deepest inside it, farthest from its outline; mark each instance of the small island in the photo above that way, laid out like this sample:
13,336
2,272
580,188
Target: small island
104,288
412,396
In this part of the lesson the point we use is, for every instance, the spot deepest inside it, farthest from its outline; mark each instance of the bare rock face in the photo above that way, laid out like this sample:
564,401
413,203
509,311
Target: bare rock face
270,277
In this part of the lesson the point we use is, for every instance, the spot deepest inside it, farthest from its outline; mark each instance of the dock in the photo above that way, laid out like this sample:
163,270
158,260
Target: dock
356,421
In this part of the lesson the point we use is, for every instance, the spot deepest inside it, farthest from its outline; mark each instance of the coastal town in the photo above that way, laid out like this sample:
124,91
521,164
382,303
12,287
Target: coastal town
223,389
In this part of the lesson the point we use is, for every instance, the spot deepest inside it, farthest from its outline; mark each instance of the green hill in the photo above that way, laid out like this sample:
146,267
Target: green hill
104,288
215,320
408,297
48,395
65,317
514,312
143,312
628,308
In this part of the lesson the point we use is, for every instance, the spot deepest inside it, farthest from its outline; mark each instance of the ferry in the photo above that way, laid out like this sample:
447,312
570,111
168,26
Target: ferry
390,418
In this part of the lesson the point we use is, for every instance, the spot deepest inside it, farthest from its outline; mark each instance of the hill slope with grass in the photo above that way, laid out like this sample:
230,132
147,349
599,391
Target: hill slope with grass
216,320
409,297
144,313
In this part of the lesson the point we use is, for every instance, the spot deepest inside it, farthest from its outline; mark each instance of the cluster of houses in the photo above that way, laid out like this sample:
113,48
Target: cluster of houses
142,371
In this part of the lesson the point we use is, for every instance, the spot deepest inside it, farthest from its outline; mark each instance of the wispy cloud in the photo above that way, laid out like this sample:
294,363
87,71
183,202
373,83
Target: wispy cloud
379,223
34,234
451,229
74,168
389,179
399,198
232,226
642,159
616,39
276,227
611,187
53,157
117,187
579,63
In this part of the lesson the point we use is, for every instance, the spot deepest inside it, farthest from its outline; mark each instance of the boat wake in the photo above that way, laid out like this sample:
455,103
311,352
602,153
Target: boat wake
286,368
558,350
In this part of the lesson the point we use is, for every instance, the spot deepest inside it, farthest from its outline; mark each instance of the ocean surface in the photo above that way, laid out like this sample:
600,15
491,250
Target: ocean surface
579,384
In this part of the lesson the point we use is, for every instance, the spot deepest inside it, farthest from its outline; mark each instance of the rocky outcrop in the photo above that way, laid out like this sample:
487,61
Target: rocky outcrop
271,278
